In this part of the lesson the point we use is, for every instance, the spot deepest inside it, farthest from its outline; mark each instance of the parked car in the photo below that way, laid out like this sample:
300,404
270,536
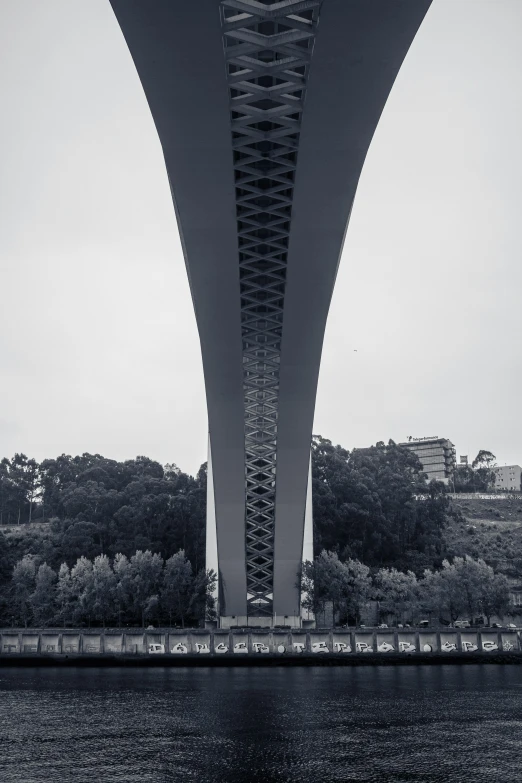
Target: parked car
462,624
382,625
512,626
496,625
424,623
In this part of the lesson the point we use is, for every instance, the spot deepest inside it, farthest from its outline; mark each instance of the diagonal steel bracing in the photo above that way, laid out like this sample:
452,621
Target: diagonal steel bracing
268,49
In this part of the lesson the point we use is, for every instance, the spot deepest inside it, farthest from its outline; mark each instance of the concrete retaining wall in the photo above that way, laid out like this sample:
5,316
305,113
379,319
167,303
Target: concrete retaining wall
255,644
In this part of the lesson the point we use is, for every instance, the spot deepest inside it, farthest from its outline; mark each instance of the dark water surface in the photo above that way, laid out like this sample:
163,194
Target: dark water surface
367,724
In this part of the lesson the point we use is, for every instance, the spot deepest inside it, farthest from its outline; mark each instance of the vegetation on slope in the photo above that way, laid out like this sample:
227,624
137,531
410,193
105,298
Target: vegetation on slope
374,513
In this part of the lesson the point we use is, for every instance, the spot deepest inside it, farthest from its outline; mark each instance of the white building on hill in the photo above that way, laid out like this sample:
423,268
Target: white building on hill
508,477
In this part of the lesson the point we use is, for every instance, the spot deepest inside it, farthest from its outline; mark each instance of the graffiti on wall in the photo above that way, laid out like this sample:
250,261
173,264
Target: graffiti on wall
448,644
254,643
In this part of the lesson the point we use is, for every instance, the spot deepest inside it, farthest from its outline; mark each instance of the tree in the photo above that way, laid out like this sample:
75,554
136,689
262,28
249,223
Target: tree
185,595
103,588
430,593
43,599
322,581
357,589
306,586
18,487
203,604
484,459
77,539
465,480
346,584
465,587
24,473
484,474
124,587
177,589
64,594
145,573
82,588
22,588
107,507
397,593
469,577
494,594
440,593
5,565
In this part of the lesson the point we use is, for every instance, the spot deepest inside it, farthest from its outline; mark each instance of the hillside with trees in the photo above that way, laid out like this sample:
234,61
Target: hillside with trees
88,539
93,505
374,505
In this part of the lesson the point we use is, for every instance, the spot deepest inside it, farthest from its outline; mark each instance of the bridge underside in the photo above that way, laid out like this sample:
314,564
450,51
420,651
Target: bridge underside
265,111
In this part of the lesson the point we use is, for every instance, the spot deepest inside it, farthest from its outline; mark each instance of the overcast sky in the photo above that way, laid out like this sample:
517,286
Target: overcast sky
99,350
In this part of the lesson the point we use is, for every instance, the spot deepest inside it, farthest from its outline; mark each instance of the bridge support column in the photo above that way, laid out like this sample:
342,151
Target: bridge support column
265,111
307,616
211,548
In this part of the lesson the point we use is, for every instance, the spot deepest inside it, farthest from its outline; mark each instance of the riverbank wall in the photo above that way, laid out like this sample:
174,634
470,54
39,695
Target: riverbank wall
255,647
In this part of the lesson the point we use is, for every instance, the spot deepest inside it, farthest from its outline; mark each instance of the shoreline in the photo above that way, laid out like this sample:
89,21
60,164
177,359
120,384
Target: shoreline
193,661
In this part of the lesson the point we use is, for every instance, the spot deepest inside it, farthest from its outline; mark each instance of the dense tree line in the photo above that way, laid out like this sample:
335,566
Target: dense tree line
99,506
19,484
464,588
374,505
371,506
126,590
94,506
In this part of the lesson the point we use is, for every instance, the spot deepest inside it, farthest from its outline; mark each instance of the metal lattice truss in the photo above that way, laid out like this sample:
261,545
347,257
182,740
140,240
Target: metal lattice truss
268,48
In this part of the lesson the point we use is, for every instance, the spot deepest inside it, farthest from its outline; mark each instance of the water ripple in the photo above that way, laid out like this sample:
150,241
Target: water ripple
428,724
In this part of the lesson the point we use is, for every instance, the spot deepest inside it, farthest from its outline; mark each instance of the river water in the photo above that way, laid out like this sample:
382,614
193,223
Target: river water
243,725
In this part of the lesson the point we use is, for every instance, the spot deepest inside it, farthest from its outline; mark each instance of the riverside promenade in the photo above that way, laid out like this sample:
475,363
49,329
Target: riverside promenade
257,646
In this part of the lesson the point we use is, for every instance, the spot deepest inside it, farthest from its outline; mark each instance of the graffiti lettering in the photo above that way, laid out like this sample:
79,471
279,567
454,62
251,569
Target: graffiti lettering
363,647
507,646
488,646
179,649
319,647
298,647
386,647
448,647
259,647
406,647
240,647
469,647
342,647
221,648
281,648
427,648
202,648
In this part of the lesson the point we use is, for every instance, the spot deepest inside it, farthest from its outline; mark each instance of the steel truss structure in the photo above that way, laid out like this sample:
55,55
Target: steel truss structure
268,51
